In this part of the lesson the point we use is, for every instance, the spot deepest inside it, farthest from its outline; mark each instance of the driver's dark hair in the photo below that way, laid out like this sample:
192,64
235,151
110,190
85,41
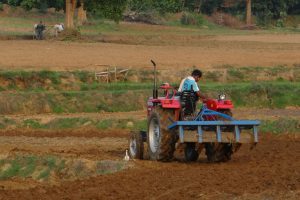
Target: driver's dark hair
197,72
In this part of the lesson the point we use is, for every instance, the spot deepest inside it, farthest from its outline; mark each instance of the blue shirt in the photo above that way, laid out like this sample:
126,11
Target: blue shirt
188,84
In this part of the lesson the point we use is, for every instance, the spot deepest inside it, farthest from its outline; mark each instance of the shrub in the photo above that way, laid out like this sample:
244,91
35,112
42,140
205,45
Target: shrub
28,4
53,76
14,2
32,123
192,19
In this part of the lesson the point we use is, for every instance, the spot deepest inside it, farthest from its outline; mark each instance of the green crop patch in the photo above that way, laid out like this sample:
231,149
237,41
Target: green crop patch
258,94
66,123
280,126
109,167
42,168
32,123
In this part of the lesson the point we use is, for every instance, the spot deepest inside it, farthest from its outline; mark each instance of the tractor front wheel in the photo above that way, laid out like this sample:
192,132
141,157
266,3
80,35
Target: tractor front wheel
161,141
136,145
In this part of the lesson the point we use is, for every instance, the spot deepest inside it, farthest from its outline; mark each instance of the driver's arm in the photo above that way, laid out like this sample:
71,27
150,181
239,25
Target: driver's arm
197,91
202,96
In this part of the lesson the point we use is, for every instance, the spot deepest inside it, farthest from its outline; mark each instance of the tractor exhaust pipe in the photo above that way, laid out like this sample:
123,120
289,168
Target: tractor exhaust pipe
155,93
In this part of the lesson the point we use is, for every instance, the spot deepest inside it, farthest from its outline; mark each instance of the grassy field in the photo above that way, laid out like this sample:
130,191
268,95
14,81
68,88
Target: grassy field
277,126
38,92
18,26
257,95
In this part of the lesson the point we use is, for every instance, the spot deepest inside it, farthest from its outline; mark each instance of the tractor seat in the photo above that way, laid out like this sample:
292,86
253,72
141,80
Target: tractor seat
188,100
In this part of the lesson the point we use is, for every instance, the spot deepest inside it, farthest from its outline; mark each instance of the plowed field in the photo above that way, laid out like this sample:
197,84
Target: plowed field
269,171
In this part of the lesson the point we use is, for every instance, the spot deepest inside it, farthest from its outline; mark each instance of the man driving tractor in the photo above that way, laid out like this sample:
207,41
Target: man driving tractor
190,84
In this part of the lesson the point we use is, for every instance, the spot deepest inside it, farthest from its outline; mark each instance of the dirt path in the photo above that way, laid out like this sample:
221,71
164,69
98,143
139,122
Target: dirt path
209,52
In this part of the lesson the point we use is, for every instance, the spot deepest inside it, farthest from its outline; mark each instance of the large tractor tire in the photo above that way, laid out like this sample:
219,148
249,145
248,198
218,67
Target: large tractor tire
136,145
218,152
190,152
161,141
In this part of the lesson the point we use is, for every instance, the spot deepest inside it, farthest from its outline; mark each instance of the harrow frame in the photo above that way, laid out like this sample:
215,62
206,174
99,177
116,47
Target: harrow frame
201,125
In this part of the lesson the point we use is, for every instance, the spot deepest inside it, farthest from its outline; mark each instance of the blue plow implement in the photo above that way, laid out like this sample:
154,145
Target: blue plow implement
218,127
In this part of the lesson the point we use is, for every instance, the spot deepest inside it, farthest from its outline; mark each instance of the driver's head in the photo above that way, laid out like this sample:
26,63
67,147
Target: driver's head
197,74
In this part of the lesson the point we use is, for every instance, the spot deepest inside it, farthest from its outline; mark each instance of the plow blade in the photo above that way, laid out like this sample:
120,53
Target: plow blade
217,131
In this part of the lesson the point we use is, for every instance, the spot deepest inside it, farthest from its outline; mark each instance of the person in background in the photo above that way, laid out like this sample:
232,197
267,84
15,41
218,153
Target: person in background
39,29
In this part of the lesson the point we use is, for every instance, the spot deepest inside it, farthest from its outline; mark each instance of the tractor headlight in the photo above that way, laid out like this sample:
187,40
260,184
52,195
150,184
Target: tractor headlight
222,96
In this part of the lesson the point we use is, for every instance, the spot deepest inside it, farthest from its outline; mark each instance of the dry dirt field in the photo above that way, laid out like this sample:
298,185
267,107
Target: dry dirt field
269,171
204,51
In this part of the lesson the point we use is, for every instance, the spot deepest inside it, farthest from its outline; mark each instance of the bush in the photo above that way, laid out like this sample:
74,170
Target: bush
14,2
1,6
168,6
28,4
192,19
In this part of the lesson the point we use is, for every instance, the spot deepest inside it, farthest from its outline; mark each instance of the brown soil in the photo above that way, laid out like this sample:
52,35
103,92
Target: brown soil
269,171
207,52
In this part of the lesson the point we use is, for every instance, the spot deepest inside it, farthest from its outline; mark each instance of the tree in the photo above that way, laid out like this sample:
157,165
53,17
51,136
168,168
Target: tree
81,13
70,10
248,13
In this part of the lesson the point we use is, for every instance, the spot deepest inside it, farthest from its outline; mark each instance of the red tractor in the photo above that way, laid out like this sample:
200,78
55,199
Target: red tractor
173,118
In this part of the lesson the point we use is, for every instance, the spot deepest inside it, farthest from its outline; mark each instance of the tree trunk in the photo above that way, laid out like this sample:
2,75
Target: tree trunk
248,13
68,13
70,9
81,14
197,6
182,5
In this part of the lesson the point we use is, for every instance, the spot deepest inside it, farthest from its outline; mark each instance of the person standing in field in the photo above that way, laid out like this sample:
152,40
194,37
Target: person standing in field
39,29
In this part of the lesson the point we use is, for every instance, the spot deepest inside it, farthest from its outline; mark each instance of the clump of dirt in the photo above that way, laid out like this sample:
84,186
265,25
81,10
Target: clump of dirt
69,35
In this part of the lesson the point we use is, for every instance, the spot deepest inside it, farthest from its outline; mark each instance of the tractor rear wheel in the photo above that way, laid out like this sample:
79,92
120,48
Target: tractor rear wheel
136,145
161,141
218,152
